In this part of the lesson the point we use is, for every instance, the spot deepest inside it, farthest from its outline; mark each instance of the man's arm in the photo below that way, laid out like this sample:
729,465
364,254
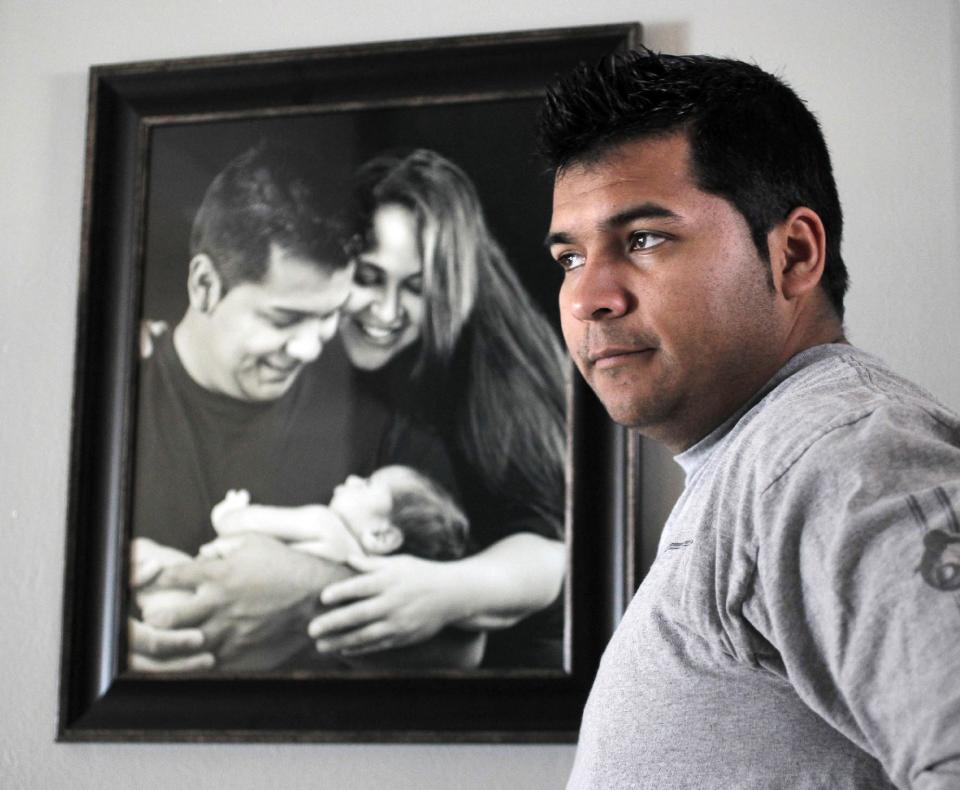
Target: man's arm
858,576
253,606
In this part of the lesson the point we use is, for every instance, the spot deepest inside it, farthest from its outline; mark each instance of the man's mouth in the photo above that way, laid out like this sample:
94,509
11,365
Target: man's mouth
278,370
606,357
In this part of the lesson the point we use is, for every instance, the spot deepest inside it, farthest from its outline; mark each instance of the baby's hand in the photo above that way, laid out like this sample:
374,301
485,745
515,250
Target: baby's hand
236,499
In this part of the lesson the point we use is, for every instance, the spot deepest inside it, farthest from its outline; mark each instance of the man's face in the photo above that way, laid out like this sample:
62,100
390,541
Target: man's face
665,303
264,333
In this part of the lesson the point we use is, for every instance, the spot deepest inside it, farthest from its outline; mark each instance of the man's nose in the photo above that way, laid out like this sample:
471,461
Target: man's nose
598,292
328,327
307,343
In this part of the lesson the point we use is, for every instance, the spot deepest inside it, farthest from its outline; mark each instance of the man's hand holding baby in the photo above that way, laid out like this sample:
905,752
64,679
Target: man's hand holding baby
253,604
153,648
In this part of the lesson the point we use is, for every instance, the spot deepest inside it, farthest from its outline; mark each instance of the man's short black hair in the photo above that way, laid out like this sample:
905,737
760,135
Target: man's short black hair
270,194
752,139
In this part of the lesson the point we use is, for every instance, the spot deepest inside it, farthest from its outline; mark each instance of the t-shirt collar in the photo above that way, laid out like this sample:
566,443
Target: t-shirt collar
695,456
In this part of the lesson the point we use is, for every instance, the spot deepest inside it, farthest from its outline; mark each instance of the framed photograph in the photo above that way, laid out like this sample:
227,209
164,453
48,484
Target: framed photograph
332,478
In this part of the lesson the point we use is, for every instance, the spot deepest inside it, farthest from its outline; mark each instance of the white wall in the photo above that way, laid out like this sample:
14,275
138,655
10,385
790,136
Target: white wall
883,76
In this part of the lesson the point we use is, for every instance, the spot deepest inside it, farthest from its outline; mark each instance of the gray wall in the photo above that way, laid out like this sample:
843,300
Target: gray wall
881,74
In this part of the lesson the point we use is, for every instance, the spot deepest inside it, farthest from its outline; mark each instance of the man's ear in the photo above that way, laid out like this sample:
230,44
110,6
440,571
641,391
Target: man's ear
798,253
204,284
384,539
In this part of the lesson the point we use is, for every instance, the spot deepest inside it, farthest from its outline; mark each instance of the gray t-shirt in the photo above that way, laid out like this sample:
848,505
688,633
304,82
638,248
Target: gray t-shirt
800,627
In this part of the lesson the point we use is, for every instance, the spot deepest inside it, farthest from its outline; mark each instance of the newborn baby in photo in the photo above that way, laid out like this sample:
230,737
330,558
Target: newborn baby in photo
396,508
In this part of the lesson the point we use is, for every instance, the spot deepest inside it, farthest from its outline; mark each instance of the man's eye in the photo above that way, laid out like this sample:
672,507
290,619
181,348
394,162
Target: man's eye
645,240
326,318
284,323
570,260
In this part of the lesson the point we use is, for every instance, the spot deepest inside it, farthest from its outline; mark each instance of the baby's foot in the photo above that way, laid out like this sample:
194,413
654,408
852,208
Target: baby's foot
236,499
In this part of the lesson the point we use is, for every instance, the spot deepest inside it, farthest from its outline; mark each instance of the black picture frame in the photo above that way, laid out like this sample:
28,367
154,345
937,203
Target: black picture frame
98,700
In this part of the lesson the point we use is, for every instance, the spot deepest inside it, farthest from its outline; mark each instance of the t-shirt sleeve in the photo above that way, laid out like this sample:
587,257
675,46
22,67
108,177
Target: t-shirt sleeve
856,595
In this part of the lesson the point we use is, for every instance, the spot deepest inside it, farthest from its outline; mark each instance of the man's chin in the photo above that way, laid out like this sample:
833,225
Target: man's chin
627,415
631,409
270,386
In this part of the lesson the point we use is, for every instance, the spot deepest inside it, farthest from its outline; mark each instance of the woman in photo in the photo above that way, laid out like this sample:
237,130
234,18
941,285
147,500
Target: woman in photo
439,328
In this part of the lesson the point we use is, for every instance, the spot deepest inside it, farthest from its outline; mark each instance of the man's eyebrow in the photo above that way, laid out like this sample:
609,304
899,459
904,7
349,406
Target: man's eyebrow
291,313
642,211
557,238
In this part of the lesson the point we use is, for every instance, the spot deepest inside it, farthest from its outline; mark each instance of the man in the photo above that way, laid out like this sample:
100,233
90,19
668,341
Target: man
227,394
799,627
224,399
231,400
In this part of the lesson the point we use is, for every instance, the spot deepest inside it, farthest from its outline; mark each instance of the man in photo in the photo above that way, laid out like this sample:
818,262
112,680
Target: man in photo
228,398
790,632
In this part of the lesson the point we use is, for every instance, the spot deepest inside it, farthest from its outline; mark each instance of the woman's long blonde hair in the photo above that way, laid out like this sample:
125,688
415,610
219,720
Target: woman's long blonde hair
483,344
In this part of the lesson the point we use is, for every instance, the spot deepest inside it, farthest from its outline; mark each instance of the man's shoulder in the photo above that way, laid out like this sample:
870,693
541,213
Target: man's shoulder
843,378
153,334
843,407
157,378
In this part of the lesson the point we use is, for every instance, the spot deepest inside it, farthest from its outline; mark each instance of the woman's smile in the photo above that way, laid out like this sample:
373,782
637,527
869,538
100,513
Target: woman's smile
378,333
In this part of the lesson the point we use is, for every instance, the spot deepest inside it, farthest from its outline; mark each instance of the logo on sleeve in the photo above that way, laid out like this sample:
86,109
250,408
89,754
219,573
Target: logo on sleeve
940,564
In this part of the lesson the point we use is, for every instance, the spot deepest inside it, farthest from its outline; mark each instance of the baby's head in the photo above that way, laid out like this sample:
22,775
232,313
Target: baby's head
399,507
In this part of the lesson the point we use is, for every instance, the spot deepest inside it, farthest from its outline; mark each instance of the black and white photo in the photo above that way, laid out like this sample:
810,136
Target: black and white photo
327,449
356,361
